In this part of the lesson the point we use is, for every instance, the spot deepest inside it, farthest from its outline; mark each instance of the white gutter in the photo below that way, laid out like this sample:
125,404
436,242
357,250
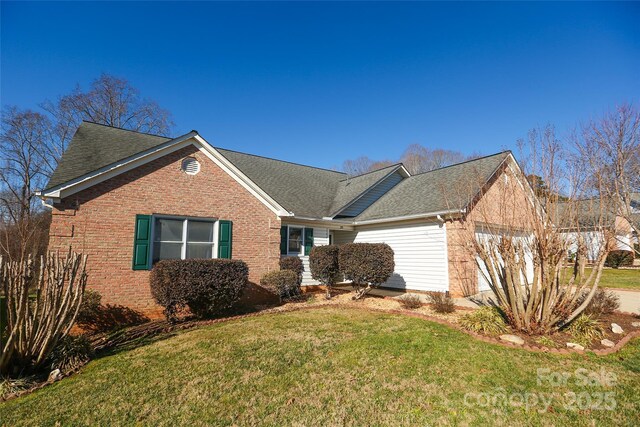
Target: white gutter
408,217
439,215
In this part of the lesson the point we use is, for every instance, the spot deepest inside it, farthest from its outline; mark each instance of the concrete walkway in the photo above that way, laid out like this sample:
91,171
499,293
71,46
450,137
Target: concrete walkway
629,300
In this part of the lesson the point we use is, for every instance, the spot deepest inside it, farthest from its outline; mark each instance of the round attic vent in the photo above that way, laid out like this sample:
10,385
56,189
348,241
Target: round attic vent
190,166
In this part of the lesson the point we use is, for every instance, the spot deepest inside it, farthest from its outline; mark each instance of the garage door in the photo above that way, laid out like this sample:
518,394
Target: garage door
488,237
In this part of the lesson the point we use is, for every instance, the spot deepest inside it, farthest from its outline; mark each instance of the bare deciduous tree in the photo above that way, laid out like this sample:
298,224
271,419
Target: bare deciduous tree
32,143
418,159
23,132
111,101
34,327
521,240
357,166
608,151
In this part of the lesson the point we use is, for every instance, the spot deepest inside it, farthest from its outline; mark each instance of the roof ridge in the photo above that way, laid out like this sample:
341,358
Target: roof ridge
279,160
130,130
376,170
462,163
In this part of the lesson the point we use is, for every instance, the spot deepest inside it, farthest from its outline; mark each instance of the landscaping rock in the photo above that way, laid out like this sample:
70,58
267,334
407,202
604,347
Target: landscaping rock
635,324
607,343
575,346
514,339
616,329
54,375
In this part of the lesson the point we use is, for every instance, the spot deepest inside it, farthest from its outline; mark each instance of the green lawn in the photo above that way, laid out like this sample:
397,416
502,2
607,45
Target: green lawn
329,366
620,278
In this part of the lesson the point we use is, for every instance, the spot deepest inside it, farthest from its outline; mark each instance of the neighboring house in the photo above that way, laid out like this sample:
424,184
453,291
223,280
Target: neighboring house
128,199
586,219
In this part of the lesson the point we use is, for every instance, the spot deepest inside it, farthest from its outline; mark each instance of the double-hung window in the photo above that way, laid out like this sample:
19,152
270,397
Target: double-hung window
295,238
182,238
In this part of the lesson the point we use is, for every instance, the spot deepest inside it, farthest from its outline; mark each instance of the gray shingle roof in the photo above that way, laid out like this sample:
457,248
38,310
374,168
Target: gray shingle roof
350,188
95,146
451,187
304,190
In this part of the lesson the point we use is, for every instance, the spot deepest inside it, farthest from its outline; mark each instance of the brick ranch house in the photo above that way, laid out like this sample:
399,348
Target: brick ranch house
128,199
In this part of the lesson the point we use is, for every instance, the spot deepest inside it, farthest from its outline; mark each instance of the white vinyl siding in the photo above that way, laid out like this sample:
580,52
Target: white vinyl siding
320,238
483,275
371,196
420,253
594,240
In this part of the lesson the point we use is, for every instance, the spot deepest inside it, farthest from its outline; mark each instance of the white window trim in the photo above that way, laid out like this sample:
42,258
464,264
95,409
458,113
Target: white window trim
303,246
184,219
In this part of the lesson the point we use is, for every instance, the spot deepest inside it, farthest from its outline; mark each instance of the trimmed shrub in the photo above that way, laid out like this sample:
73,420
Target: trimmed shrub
293,263
71,353
89,308
585,329
283,283
486,320
366,265
324,266
206,286
410,301
618,258
442,302
603,302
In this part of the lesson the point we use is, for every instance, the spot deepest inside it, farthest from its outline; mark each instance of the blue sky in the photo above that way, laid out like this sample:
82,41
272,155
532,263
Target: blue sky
322,82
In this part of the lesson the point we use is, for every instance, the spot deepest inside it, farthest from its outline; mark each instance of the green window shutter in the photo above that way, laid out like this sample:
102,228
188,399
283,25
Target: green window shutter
283,240
308,240
142,243
225,232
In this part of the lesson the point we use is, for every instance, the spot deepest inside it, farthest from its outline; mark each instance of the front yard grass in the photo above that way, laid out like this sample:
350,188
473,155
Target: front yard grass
619,278
329,366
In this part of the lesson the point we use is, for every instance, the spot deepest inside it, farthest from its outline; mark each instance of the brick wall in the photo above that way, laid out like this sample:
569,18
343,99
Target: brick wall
100,221
505,204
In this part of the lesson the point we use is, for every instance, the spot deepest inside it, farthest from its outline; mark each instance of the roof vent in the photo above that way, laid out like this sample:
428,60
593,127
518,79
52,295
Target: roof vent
190,166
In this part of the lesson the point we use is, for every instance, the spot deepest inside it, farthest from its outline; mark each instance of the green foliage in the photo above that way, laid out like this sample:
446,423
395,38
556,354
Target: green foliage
11,386
283,283
90,307
246,369
366,263
71,353
294,264
619,258
442,302
585,329
410,301
324,265
207,286
487,320
545,341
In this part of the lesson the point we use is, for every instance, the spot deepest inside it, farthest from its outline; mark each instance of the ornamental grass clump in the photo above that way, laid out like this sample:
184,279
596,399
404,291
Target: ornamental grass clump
486,320
442,302
71,353
410,301
585,329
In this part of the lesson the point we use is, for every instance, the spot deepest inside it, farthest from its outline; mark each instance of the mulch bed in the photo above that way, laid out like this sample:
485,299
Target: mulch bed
106,343
561,338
